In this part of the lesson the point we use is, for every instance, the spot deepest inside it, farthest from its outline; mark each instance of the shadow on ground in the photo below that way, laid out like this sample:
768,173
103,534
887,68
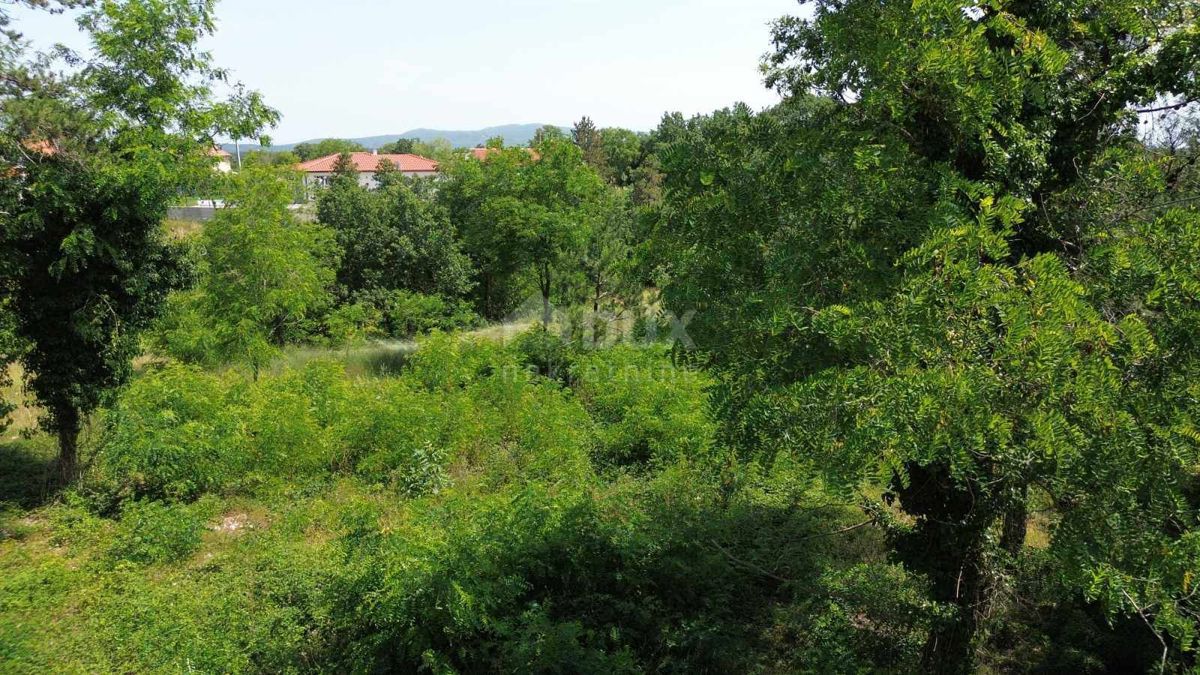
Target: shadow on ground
26,473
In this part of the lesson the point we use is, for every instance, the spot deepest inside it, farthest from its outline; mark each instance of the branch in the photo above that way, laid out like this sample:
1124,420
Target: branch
749,565
841,531
755,568
1162,668
1173,106
1173,202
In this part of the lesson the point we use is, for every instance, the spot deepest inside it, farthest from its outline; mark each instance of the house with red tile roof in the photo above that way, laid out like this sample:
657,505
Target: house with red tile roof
319,171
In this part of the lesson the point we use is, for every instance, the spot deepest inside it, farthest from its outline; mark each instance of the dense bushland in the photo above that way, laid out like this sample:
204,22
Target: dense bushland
467,514
895,376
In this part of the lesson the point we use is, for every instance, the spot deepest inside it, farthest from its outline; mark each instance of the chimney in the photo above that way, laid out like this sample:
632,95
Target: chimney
375,151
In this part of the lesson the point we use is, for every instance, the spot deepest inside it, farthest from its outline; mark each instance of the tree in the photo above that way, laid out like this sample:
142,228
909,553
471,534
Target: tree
545,133
393,238
922,277
265,271
344,169
587,137
622,154
92,159
10,352
438,149
479,198
326,147
55,6
608,256
269,158
520,218
400,146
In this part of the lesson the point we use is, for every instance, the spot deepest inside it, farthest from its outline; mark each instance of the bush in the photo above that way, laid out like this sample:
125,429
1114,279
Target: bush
171,434
477,587
445,362
152,532
546,354
404,436
647,410
178,433
869,618
406,314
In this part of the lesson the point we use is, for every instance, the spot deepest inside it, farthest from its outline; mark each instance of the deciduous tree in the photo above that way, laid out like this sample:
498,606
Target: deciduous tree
326,147
92,158
919,278
264,270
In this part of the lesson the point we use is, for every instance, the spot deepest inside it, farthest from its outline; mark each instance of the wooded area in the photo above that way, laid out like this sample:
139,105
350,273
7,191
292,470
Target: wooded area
898,375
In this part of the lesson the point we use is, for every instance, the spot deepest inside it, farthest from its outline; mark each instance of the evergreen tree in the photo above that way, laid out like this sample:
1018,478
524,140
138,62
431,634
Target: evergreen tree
587,137
400,146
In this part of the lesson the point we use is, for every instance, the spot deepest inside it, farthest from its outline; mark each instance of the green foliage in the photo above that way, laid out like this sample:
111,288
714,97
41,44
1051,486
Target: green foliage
170,436
324,148
348,324
649,412
445,517
586,136
943,280
269,158
900,284
607,258
152,532
545,133
401,146
394,238
9,353
405,314
522,218
179,433
869,618
547,354
622,154
93,158
263,275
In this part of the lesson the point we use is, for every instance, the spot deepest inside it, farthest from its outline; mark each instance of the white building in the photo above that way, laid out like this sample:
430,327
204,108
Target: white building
319,171
224,160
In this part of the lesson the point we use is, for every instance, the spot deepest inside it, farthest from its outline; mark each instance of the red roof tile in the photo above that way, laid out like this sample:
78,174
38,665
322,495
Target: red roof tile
367,162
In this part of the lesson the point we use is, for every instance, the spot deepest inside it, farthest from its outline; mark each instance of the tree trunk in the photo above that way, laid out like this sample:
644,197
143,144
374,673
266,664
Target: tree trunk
949,544
545,284
950,647
489,307
66,422
1016,523
599,332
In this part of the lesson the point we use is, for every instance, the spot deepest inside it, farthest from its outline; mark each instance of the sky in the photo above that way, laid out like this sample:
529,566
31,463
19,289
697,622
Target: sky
354,68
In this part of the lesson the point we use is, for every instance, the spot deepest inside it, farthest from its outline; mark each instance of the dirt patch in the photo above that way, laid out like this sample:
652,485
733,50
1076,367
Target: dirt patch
234,524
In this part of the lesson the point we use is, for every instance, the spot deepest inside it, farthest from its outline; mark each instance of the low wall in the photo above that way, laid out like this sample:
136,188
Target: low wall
193,214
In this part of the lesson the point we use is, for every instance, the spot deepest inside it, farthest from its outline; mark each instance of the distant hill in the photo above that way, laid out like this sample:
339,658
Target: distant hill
513,134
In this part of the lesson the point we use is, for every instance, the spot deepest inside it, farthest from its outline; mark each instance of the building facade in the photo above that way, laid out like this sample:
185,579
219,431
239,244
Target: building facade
319,172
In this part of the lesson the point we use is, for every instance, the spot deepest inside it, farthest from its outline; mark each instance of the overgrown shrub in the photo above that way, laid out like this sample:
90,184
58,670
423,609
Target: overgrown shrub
445,361
869,618
405,314
545,353
171,434
400,434
647,410
154,532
